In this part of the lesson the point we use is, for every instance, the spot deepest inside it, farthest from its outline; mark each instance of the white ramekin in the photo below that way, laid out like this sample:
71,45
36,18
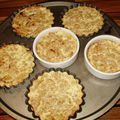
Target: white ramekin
93,70
62,64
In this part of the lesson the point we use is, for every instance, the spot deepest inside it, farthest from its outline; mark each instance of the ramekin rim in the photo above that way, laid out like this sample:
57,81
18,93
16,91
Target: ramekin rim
86,49
61,62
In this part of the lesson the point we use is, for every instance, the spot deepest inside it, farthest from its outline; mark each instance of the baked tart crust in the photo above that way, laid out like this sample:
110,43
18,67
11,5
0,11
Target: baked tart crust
83,20
29,21
16,63
55,95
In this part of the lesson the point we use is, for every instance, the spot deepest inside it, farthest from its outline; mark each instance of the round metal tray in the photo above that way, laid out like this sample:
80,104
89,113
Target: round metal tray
100,95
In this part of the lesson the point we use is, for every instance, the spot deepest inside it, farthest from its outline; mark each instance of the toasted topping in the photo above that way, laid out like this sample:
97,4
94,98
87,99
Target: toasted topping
104,55
56,46
32,20
83,20
16,63
55,96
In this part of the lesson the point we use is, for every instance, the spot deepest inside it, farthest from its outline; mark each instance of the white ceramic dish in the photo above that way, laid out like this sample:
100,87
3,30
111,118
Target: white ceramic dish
93,70
62,64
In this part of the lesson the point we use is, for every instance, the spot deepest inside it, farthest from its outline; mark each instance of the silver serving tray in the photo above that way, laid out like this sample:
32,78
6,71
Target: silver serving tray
100,95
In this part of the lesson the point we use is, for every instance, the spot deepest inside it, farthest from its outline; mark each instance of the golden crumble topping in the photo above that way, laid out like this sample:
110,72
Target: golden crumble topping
104,55
56,46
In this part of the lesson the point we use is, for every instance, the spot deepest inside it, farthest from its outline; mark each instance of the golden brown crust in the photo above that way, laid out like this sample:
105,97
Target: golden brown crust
16,63
104,55
83,20
32,20
56,46
55,96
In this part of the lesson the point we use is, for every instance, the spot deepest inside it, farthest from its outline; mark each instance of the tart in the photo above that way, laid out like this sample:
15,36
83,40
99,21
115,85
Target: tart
104,55
29,21
16,63
55,95
83,20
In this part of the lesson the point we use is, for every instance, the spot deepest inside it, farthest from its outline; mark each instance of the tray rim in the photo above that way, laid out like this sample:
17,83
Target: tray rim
106,107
